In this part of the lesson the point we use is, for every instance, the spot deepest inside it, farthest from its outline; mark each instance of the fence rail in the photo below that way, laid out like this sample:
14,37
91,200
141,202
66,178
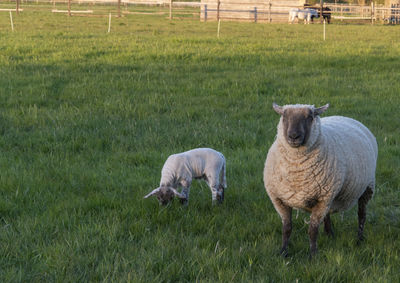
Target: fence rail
267,11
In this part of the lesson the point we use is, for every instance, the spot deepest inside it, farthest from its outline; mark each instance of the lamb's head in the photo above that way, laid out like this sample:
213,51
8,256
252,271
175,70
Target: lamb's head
298,121
165,194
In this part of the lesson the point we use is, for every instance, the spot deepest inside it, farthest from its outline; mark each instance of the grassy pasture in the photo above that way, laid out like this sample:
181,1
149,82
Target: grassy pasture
88,118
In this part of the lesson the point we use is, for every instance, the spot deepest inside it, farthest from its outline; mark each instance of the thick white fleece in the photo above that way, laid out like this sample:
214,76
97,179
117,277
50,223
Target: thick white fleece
335,166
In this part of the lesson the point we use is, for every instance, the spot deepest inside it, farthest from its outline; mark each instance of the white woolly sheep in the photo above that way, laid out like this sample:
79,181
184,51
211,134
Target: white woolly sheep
181,168
321,166
307,15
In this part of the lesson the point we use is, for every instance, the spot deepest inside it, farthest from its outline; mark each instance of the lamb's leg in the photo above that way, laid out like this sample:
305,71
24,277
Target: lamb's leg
222,185
285,213
362,211
185,191
220,195
328,225
217,193
215,187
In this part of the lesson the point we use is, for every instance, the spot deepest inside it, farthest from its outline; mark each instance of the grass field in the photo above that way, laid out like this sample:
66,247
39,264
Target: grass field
87,120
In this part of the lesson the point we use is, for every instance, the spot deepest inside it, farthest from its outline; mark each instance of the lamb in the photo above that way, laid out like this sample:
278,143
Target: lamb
321,166
181,168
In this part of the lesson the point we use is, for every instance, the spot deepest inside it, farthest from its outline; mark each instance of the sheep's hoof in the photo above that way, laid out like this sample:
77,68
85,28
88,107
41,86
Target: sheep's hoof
313,253
360,240
284,252
330,234
184,201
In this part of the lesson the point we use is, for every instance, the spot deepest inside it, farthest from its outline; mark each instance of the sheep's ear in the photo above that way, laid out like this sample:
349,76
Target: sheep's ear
278,109
178,194
154,192
320,110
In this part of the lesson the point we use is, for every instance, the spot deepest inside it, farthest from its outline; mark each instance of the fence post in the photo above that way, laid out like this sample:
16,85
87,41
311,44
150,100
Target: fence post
384,14
11,21
362,11
341,13
269,11
69,8
391,13
170,9
17,8
205,12
109,22
119,8
372,13
219,24
218,5
320,12
255,14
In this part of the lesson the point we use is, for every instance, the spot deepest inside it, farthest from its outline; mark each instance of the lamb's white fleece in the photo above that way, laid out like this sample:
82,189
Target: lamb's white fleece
200,163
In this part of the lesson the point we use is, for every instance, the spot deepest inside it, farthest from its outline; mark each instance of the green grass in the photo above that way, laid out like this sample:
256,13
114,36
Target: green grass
87,120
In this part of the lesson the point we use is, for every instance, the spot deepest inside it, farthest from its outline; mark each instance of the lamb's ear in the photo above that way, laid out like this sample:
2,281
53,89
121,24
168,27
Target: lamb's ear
178,194
278,109
320,110
154,192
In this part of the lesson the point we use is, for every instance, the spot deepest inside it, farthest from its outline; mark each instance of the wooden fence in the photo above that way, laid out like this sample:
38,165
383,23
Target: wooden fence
254,10
372,13
278,11
268,11
168,8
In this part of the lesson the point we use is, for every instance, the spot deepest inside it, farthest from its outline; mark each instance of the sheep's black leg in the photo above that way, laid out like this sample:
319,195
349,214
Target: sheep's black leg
313,235
286,231
319,211
328,225
362,212
285,212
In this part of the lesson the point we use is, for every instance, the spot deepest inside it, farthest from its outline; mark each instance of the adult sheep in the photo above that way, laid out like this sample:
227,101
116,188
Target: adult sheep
307,15
321,166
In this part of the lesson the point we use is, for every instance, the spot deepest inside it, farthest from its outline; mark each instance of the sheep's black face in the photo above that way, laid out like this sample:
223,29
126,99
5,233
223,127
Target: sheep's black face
297,123
165,195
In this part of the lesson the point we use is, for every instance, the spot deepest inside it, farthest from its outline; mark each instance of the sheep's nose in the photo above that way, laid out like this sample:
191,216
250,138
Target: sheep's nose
294,136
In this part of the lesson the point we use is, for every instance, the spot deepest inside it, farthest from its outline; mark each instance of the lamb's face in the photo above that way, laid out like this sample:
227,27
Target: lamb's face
297,124
165,195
